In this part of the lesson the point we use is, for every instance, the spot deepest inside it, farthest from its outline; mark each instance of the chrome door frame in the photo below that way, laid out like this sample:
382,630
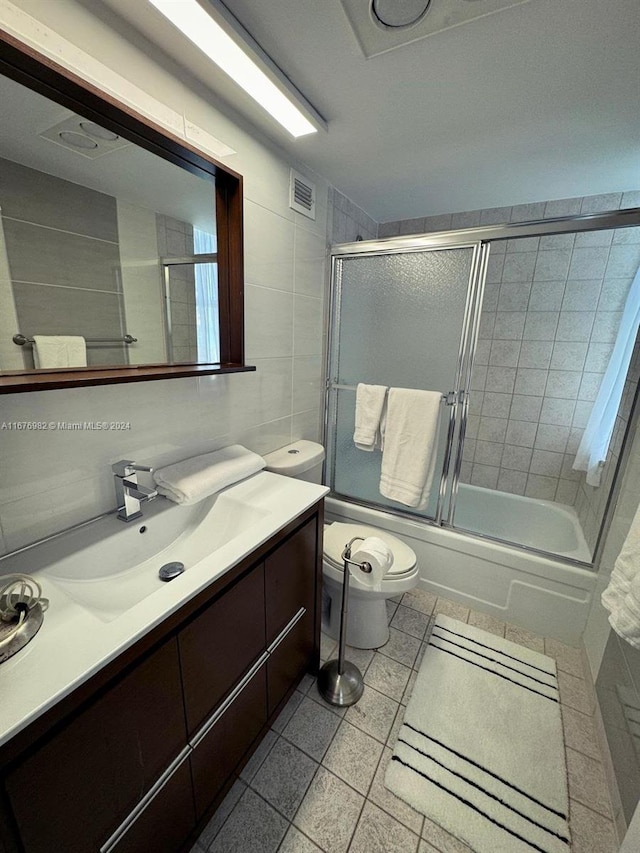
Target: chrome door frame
375,248
629,217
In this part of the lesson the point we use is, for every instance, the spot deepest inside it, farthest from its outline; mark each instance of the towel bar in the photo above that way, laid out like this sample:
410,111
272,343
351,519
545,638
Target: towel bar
449,398
21,340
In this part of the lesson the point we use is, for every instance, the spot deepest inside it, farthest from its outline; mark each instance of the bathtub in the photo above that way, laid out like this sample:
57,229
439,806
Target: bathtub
543,525
550,597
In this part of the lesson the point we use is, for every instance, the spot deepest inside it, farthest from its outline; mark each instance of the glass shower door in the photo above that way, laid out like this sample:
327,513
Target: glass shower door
402,320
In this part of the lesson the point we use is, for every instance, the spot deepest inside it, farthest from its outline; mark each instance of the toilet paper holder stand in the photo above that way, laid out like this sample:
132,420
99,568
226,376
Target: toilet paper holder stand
340,682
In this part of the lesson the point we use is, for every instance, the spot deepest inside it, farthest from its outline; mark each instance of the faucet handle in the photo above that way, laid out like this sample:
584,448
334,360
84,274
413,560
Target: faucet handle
126,467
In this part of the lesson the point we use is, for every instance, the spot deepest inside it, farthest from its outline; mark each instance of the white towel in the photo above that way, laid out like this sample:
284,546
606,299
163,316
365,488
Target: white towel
622,596
410,445
59,351
191,480
370,400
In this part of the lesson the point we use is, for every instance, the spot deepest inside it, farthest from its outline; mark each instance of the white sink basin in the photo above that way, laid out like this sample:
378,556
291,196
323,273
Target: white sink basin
110,566
110,577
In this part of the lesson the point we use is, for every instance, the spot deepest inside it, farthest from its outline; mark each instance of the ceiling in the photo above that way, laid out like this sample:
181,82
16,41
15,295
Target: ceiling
129,173
537,101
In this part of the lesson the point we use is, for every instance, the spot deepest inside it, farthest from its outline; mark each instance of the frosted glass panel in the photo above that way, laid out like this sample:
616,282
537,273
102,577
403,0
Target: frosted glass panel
399,321
357,472
401,318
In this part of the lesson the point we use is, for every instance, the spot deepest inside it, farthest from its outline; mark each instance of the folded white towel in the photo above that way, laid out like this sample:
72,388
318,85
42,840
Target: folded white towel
59,351
370,400
191,480
622,596
410,445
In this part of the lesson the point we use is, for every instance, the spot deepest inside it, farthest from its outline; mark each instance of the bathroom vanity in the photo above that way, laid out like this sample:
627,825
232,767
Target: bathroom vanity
137,756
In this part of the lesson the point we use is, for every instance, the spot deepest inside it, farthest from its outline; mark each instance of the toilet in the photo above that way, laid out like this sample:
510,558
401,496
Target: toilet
367,626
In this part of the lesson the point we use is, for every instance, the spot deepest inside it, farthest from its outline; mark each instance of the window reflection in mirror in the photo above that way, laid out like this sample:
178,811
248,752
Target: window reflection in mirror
100,238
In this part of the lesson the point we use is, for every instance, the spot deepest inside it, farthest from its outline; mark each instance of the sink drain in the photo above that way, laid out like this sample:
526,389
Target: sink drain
170,571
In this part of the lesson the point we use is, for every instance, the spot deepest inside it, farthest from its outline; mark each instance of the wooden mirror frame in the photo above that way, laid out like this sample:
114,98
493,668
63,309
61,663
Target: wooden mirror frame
41,74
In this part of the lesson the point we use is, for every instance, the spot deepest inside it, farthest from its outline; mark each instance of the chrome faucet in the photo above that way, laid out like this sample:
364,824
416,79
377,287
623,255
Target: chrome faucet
129,493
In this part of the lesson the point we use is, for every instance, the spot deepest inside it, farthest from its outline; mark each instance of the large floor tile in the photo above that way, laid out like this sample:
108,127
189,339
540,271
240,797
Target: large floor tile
378,832
311,728
574,693
397,725
374,714
253,764
408,690
579,732
287,712
284,777
252,827
587,782
420,599
413,622
524,638
567,658
358,657
353,756
222,813
387,676
401,647
487,623
388,802
296,842
329,812
442,840
452,609
591,832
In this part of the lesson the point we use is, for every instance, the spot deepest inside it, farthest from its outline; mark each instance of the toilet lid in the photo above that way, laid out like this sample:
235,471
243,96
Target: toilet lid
337,535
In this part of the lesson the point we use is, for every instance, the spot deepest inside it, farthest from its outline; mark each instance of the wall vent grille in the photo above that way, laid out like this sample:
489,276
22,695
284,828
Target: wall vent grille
302,194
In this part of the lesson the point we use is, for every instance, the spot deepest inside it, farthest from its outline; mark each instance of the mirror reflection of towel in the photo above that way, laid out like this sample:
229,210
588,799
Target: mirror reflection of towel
59,351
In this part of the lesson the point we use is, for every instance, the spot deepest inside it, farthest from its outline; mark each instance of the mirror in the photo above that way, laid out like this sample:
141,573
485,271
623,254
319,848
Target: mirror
125,239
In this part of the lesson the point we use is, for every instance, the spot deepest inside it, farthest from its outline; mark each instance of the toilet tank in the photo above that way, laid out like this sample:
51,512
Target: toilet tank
302,460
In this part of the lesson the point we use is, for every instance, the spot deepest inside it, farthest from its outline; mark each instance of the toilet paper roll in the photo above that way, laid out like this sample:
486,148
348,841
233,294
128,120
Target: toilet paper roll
375,551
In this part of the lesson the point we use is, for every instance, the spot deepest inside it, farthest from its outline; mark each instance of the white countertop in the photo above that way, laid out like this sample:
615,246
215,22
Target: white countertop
74,643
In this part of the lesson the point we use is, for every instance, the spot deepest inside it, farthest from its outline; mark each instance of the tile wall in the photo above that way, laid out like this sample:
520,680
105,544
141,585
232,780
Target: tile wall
142,288
349,222
175,239
550,316
54,478
70,285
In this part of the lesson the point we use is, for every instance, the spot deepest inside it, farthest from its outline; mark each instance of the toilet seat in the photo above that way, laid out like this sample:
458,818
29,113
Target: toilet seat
337,535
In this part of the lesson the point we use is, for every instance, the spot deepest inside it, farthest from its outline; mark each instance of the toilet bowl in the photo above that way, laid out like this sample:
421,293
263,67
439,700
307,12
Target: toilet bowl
367,625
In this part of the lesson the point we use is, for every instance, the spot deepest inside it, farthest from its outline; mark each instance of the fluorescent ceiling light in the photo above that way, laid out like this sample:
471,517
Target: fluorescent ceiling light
216,43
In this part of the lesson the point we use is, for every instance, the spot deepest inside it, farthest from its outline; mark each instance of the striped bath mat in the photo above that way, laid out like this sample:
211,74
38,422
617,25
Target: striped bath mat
481,750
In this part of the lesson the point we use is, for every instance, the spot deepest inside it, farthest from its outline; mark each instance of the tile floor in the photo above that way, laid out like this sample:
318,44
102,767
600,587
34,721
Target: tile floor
315,783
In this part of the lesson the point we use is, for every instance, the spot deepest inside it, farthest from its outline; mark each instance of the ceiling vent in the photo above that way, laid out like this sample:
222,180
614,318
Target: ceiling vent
382,25
302,194
84,137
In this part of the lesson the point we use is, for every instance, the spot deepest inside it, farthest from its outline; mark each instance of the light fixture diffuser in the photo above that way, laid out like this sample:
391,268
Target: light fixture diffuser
214,39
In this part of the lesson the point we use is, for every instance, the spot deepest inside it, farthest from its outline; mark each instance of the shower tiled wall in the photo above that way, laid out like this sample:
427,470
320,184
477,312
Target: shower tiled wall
349,222
550,316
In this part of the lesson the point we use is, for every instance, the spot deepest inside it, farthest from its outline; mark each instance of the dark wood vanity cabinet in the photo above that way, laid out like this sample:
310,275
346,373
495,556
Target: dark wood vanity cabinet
290,612
84,779
140,764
